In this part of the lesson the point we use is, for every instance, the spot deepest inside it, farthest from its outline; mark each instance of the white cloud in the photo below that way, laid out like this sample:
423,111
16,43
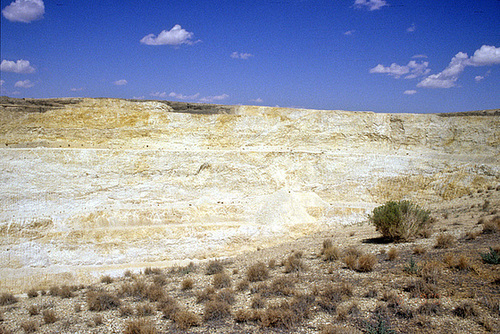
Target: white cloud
160,95
174,36
241,55
349,32
24,84
484,56
257,100
184,97
24,11
2,82
482,77
371,4
142,97
120,82
410,92
209,99
20,66
420,56
411,70
76,89
411,28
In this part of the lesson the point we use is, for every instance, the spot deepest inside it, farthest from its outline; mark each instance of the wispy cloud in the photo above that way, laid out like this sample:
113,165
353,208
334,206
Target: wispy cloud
120,82
174,36
411,70
482,77
161,95
485,56
184,97
370,4
410,92
210,99
24,84
2,82
24,11
411,28
241,55
257,100
419,56
20,66
76,89
349,32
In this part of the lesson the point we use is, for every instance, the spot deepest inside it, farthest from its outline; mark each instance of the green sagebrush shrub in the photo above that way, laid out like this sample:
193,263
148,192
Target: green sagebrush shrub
401,221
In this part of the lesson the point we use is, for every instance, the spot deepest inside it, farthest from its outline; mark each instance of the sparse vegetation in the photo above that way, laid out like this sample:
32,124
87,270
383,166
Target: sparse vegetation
7,299
101,301
257,272
492,257
407,290
400,221
445,240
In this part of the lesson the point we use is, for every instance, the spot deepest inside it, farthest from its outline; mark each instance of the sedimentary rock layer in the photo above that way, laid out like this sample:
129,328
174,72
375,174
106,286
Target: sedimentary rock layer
94,185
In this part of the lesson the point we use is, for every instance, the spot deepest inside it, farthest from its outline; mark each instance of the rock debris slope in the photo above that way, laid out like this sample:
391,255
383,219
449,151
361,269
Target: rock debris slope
98,185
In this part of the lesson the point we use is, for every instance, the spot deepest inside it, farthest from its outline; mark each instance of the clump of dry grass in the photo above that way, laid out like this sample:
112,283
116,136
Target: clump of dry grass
102,301
221,280
332,254
144,310
49,316
32,293
140,326
7,299
29,326
206,294
33,310
392,254
492,226
332,295
357,261
226,295
187,284
185,319
152,271
431,308
168,306
422,289
214,267
257,272
444,240
338,329
257,302
215,309
294,263
243,285
419,250
106,279
126,311
98,320
466,309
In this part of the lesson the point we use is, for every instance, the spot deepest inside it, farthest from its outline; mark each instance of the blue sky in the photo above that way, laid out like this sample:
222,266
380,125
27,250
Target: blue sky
383,56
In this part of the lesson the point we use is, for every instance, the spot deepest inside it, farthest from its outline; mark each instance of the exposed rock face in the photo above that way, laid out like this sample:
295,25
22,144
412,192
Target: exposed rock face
93,185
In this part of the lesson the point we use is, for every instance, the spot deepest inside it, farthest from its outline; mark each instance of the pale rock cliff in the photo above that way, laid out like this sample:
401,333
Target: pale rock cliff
98,185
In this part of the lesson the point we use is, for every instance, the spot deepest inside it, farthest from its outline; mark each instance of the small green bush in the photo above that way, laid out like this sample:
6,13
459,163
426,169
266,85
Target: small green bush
493,257
401,221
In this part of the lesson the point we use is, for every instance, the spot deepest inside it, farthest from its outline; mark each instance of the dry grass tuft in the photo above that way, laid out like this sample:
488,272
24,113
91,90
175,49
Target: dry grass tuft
102,301
187,284
206,294
30,326
221,280
294,263
366,263
257,302
106,279
49,316
7,299
140,326
126,311
144,310
465,310
215,309
332,254
392,254
33,310
338,329
152,271
444,240
168,306
214,267
257,272
419,250
185,319
32,293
